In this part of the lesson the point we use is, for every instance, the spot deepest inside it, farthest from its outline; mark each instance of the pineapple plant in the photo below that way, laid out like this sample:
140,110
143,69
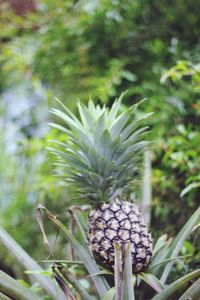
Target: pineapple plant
62,281
100,160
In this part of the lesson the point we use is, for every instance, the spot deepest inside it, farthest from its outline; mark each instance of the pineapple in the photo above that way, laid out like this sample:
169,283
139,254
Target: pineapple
100,160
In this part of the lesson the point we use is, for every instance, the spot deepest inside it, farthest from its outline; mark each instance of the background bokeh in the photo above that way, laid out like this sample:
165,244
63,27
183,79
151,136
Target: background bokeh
96,48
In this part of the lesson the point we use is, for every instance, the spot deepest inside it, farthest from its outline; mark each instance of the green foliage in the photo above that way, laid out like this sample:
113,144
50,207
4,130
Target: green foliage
101,48
14,289
112,44
103,150
146,285
24,182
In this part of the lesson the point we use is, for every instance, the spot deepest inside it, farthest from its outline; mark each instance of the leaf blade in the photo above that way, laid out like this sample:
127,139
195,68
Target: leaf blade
100,283
178,284
152,281
128,288
27,262
193,292
178,242
13,288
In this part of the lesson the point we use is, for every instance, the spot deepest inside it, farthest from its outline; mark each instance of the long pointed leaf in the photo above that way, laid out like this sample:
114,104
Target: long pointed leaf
100,283
152,281
75,283
86,116
14,289
4,297
178,242
63,284
63,261
177,285
115,107
161,241
118,272
79,129
28,263
120,122
128,288
146,188
110,294
165,261
80,221
193,292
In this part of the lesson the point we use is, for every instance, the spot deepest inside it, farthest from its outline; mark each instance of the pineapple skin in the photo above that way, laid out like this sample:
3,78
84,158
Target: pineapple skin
119,222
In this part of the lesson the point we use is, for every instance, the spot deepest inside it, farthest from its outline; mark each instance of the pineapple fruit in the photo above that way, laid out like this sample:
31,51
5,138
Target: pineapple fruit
100,160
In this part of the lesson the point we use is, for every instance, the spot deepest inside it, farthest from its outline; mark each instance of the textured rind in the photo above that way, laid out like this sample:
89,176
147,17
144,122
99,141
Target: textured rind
119,222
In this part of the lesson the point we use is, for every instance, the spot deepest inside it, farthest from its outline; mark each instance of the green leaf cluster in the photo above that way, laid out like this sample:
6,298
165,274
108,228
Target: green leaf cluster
103,149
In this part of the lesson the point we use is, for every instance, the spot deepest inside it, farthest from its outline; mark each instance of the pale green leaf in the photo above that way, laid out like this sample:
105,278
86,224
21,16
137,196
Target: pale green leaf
118,272
193,292
189,188
179,240
110,294
161,241
115,108
164,262
81,223
117,126
100,283
182,282
76,127
128,288
152,281
86,116
4,297
27,262
13,288
128,130
77,285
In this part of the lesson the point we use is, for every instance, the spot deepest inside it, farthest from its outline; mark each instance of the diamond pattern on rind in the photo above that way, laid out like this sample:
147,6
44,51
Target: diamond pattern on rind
113,223
96,215
124,234
114,207
110,233
126,224
126,207
99,235
119,222
120,215
101,223
136,227
133,248
135,237
106,244
107,215
133,217
144,241
105,206
141,252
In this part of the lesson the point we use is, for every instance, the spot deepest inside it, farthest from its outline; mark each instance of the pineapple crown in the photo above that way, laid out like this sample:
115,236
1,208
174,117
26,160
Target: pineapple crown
103,149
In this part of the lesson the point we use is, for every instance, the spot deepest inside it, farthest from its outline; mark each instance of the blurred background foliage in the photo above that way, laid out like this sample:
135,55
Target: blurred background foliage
99,48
